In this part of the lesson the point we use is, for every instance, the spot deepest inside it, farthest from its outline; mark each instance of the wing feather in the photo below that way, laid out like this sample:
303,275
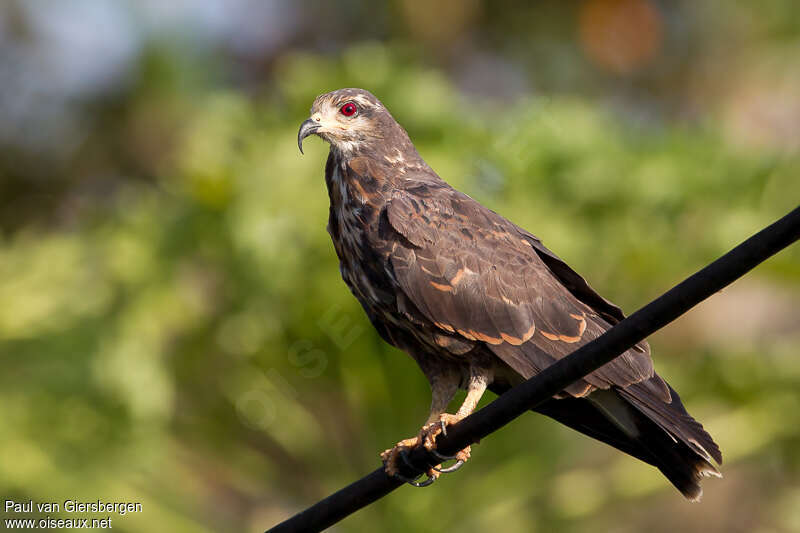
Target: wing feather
471,272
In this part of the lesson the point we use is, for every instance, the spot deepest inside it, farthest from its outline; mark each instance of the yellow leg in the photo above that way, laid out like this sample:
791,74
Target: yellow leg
442,393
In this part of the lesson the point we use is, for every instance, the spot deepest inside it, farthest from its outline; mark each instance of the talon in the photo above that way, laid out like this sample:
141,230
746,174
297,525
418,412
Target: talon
414,482
461,458
450,469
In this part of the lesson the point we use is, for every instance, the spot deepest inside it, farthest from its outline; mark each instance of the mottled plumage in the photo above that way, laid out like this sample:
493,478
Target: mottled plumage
479,302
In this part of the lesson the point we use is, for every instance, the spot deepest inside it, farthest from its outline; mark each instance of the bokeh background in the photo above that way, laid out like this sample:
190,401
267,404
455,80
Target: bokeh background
173,329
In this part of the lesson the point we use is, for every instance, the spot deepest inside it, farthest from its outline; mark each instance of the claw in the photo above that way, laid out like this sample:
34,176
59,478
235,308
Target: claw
441,457
458,464
414,482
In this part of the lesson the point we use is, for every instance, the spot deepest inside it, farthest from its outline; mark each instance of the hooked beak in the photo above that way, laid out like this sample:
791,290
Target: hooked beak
308,127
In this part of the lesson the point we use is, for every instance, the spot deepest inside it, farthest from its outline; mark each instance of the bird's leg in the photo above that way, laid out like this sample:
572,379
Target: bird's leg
478,381
443,389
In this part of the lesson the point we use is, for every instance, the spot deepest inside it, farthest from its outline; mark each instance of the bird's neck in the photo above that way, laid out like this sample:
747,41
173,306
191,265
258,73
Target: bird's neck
354,181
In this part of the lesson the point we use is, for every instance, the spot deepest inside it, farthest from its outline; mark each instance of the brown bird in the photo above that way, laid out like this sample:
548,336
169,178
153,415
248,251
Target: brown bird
479,302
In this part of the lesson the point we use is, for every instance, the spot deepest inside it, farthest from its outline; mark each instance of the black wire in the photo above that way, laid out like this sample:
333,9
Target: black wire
560,374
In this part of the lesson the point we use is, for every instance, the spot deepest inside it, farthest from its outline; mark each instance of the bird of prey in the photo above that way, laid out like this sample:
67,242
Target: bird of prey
479,302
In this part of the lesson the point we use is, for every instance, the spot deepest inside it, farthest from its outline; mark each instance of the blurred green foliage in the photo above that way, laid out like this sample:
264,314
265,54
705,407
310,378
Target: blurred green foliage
187,342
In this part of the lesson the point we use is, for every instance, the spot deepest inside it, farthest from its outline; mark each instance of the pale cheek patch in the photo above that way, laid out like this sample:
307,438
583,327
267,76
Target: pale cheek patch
343,127
355,124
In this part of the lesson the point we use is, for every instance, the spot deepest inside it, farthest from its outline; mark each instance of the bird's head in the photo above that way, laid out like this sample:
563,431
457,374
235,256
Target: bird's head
350,120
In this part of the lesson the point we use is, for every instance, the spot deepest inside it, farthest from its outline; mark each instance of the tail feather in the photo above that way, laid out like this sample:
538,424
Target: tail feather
674,419
679,460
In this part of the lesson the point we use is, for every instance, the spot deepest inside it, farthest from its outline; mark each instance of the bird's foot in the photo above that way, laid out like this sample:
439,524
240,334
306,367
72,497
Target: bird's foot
426,438
399,452
429,434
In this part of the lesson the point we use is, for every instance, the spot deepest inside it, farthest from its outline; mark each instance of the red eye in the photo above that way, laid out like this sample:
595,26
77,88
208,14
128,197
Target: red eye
349,109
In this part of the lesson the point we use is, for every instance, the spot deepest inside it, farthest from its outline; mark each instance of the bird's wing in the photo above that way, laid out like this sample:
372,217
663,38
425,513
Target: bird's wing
477,276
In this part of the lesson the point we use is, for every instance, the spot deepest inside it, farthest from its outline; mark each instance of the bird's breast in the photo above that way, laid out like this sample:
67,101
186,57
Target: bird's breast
363,254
